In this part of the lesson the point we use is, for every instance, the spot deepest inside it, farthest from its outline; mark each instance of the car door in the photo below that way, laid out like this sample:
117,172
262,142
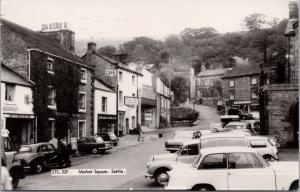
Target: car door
189,153
81,145
43,150
52,156
246,172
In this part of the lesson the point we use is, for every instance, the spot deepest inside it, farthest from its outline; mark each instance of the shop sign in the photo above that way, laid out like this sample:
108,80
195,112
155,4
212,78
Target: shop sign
10,108
63,114
19,116
131,101
148,116
241,102
110,72
107,117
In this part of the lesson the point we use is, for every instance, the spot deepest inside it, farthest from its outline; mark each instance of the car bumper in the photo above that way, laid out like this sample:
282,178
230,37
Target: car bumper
105,148
148,175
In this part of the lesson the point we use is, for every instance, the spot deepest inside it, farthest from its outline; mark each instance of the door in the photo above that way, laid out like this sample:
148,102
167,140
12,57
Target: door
246,172
188,154
127,125
52,156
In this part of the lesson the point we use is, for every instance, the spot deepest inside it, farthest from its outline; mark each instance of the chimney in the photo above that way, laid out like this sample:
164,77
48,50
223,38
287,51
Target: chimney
293,9
91,47
59,33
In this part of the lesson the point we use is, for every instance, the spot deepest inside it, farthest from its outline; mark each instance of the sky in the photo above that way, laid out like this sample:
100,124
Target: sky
119,19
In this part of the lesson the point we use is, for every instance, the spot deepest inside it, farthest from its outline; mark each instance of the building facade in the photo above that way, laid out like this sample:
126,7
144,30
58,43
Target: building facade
279,96
240,87
63,83
105,110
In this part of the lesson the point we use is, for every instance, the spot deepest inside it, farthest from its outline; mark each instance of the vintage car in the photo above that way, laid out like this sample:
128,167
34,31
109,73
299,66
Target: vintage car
159,164
180,136
93,144
108,136
233,168
39,156
8,158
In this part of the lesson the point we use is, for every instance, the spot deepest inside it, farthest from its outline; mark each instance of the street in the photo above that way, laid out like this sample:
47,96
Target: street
132,158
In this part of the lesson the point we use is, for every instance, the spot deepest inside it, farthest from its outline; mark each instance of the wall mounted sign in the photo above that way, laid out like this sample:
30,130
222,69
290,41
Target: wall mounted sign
131,101
110,72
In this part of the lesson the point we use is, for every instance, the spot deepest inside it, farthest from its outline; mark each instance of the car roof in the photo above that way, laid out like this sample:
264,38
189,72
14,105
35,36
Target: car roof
257,137
192,141
34,146
223,135
236,123
227,149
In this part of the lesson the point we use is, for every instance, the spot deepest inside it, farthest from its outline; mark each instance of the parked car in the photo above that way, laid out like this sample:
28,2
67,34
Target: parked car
93,145
180,136
265,146
225,119
240,113
39,156
108,136
233,168
8,158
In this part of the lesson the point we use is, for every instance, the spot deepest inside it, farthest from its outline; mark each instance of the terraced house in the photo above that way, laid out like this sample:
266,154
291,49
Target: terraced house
62,82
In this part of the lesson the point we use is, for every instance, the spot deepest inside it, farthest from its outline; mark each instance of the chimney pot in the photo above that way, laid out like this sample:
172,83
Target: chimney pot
91,46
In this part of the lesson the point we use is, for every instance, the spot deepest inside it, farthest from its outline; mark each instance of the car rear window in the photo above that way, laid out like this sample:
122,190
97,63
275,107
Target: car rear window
99,140
25,149
217,142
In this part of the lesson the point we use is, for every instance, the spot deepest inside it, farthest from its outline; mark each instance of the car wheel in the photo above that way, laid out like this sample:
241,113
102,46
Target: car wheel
161,177
37,167
15,182
294,187
203,188
94,150
269,158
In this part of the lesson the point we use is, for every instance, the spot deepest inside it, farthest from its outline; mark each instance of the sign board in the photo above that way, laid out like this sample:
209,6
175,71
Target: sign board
54,26
10,108
107,117
242,102
74,143
110,72
131,101
4,132
148,116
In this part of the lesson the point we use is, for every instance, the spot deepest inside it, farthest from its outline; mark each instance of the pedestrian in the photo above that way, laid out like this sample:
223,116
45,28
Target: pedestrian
140,132
64,153
6,180
54,142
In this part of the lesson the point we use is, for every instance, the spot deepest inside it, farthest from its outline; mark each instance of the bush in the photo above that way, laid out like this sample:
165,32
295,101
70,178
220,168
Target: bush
182,113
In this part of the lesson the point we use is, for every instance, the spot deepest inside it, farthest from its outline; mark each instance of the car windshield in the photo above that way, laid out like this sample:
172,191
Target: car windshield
235,126
267,164
184,135
216,142
99,139
112,135
196,162
24,149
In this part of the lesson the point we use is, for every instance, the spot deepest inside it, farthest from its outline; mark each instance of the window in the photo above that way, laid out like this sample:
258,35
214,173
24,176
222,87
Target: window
81,129
104,104
50,63
121,97
51,96
120,76
133,94
243,161
83,75
51,127
254,94
231,83
133,80
190,150
82,101
133,122
231,95
202,82
214,161
253,80
50,148
162,102
9,92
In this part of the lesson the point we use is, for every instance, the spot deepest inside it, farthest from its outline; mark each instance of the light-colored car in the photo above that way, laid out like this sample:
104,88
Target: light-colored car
233,168
265,146
180,136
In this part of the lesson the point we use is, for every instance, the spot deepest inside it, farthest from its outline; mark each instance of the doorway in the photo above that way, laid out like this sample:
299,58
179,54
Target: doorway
127,125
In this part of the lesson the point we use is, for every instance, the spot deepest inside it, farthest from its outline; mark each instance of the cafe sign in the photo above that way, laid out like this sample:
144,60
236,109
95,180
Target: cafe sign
131,101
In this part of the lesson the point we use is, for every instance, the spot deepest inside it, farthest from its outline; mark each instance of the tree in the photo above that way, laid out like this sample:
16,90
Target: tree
108,51
255,21
180,87
189,35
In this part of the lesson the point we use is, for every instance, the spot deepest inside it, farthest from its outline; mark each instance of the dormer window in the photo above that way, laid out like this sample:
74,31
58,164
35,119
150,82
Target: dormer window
83,75
50,63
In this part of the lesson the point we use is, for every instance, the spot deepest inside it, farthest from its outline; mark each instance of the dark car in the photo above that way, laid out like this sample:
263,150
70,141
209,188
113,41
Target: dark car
240,113
40,156
109,136
93,144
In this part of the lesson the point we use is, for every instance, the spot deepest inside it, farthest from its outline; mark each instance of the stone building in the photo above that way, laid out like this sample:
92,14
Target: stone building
63,83
240,87
279,98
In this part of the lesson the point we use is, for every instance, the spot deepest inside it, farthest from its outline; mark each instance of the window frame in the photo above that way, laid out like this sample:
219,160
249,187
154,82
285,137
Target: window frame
83,130
251,80
85,75
52,129
120,76
13,86
229,83
50,70
133,79
121,98
231,99
203,158
104,104
51,105
246,153
82,109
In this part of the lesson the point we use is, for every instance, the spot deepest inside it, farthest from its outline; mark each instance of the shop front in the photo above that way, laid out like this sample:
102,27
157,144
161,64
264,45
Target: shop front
107,123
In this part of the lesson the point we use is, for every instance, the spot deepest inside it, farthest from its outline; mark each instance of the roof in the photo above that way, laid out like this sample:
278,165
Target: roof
10,76
242,70
36,40
234,149
236,123
291,25
222,135
213,72
100,84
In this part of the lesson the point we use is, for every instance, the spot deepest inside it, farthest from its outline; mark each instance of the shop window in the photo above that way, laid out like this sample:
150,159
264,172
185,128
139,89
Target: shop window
50,63
81,129
120,76
83,75
231,83
133,80
231,95
121,97
82,101
9,92
51,97
253,80
104,104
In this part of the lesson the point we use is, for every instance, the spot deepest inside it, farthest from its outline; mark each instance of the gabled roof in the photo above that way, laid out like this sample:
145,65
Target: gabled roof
242,70
9,76
212,72
36,40
100,84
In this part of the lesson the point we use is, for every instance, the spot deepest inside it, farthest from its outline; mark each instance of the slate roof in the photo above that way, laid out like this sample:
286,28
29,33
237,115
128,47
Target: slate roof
243,70
9,76
39,41
212,72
